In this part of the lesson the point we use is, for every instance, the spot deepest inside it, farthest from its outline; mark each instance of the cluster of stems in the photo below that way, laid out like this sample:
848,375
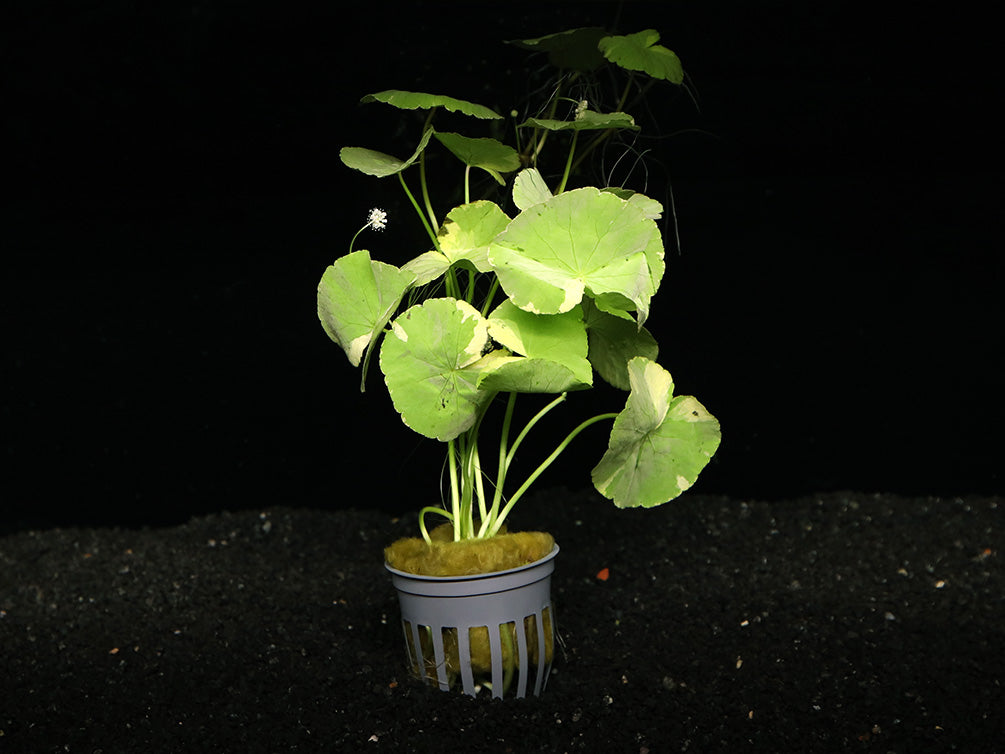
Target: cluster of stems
474,512
467,489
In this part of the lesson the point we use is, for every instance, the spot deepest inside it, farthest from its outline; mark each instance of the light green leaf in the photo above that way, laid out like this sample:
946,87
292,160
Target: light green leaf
468,230
430,361
575,49
639,52
529,189
422,101
621,193
556,344
650,207
659,444
427,267
539,287
490,155
521,374
587,121
464,237
379,164
613,343
581,242
356,298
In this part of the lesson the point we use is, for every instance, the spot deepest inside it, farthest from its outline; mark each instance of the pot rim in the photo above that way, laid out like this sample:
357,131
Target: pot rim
474,576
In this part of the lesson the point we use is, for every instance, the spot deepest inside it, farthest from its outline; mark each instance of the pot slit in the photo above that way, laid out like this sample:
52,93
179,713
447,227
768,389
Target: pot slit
492,660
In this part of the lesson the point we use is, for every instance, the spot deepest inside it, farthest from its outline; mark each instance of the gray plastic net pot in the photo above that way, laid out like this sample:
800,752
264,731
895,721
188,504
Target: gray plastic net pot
492,631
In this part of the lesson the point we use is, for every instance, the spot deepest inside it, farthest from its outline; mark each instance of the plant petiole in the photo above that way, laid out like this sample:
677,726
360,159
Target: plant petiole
425,192
455,499
497,524
530,425
489,296
568,163
418,210
422,522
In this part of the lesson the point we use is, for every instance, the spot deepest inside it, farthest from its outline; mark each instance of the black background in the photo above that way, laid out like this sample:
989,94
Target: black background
173,193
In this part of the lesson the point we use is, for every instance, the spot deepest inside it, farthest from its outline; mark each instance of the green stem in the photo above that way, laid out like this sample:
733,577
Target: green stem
422,175
494,529
488,520
491,526
551,114
624,94
596,142
425,191
467,485
642,92
450,280
469,451
516,135
422,522
353,241
526,430
455,500
490,295
568,163
479,487
418,210
605,135
472,278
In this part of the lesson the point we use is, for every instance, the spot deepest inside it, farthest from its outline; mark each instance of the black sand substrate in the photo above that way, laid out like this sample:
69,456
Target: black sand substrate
839,622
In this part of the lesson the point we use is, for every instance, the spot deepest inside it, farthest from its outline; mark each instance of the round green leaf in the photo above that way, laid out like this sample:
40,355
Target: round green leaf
488,154
464,237
639,52
379,164
529,189
580,242
422,101
659,444
468,230
430,365
650,207
555,343
588,120
613,343
519,374
356,298
427,267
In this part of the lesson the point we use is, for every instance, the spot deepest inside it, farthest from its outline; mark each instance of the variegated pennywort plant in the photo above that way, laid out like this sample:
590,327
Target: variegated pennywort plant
537,302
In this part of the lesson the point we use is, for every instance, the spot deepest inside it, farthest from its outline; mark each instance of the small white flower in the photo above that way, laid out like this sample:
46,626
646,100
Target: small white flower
581,108
377,219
